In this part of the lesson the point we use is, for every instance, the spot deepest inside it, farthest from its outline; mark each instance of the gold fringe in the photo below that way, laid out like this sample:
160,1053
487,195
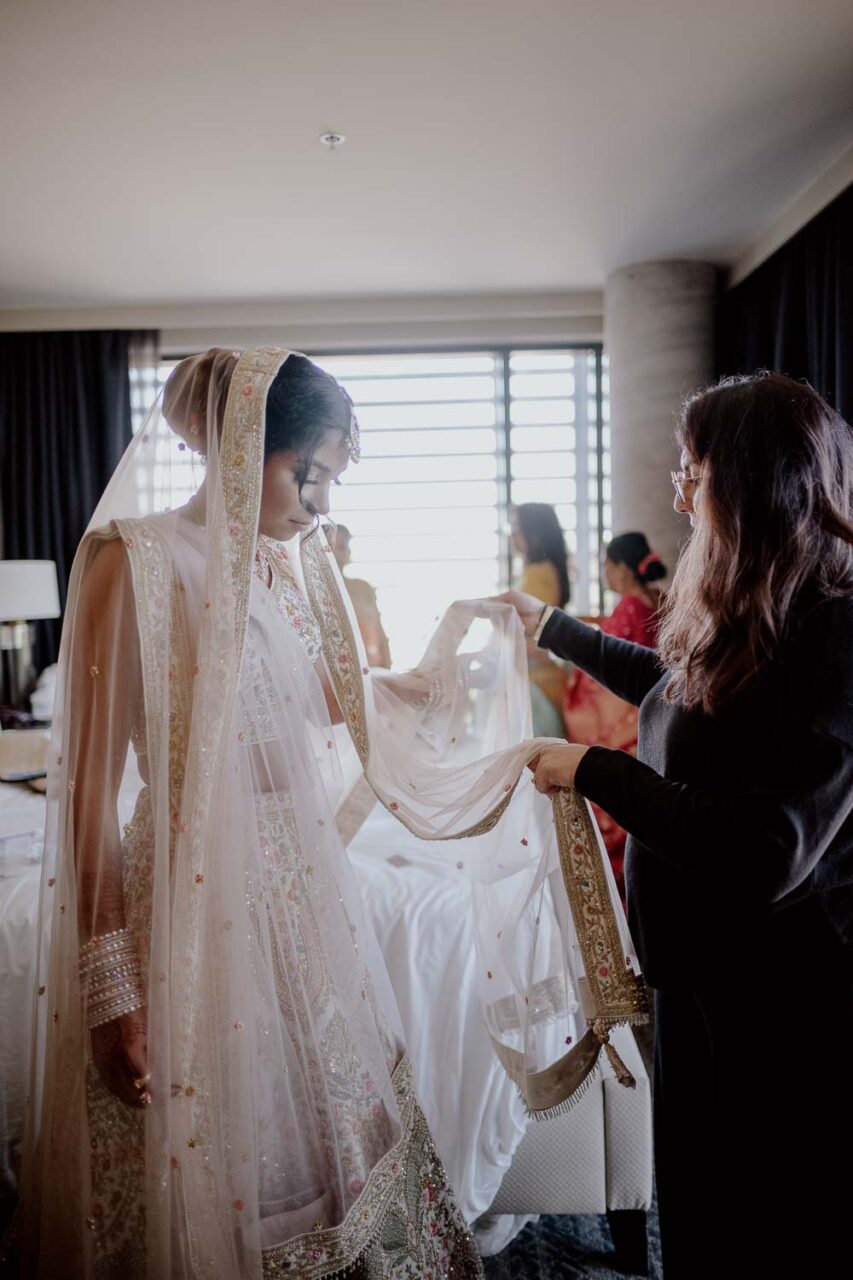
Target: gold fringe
568,1104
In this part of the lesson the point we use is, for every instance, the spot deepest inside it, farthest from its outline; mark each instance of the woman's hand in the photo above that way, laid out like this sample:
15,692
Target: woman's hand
528,608
555,767
120,1054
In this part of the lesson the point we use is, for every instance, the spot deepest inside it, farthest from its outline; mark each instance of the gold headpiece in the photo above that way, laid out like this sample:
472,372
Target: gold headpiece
354,439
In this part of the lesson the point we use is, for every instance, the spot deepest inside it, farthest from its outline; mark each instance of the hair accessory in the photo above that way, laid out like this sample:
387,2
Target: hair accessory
354,439
651,558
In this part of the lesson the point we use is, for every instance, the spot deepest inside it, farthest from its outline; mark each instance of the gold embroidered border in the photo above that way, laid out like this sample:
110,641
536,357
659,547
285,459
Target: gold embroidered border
150,569
411,1165
231,534
223,626
241,455
339,644
618,994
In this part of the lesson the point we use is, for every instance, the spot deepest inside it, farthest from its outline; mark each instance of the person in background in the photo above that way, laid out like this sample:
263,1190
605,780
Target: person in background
363,597
538,539
592,713
739,805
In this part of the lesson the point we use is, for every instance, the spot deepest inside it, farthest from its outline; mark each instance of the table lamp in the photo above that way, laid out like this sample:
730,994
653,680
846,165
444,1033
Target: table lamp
28,590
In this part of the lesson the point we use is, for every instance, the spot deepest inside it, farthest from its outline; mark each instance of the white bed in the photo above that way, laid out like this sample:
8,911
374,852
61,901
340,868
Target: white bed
21,825
423,919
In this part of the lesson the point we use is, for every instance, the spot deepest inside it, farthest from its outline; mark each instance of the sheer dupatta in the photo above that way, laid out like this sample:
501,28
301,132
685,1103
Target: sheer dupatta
444,748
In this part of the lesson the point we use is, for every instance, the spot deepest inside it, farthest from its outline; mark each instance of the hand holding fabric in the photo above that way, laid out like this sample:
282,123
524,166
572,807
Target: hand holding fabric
555,767
529,609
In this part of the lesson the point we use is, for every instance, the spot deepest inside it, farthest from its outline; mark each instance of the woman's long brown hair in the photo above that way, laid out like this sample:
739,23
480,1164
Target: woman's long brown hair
773,534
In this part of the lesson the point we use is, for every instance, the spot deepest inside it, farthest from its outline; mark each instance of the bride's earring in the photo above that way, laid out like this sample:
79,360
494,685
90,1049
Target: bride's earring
195,430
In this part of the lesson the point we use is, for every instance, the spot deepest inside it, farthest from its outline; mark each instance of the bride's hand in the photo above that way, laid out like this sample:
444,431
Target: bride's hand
528,608
120,1054
555,767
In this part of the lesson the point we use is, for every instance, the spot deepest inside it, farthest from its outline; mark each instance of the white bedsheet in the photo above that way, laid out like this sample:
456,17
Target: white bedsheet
423,921
21,812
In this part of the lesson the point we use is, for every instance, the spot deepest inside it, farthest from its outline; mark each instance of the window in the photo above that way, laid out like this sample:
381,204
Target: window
179,475
449,441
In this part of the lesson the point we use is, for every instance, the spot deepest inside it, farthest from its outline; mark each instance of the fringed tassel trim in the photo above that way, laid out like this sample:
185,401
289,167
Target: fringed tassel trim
623,1075
639,1019
564,1107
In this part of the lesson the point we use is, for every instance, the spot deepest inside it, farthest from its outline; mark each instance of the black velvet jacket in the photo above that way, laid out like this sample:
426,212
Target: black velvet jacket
733,819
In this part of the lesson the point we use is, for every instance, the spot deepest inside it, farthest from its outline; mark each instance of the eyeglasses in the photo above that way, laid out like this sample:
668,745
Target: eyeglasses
685,484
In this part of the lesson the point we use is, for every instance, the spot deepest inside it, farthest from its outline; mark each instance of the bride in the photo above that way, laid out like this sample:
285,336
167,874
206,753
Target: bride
219,1084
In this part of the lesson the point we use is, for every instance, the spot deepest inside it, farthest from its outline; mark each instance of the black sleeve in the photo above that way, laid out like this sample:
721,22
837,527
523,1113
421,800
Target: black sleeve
760,842
626,669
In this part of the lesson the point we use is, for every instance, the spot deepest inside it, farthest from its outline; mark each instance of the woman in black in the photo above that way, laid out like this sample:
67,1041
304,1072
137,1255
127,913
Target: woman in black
739,808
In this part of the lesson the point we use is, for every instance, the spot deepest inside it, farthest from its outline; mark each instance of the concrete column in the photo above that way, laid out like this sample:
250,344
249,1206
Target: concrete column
658,333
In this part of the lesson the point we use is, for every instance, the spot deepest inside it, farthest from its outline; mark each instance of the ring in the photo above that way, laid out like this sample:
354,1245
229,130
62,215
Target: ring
142,1081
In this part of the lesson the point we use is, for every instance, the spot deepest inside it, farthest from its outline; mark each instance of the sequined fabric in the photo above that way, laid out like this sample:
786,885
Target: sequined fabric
273,568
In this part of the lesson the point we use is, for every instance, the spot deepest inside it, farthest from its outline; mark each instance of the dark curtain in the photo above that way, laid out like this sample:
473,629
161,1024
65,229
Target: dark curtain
64,423
794,313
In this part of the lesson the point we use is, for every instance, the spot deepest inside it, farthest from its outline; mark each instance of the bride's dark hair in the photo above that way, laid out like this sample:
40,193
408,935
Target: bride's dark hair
773,535
304,404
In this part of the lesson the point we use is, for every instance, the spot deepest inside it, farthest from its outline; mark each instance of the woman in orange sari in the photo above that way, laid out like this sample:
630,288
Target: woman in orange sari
592,713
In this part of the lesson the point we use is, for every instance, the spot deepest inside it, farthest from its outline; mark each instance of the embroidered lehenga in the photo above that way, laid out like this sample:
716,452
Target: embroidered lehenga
283,1135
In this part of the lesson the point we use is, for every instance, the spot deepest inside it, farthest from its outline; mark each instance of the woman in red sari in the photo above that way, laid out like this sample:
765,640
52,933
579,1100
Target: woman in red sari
592,714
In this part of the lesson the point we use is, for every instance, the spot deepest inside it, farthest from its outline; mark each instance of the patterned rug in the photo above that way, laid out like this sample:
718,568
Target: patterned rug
568,1248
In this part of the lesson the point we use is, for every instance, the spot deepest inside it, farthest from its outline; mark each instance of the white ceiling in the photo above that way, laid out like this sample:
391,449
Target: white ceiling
166,150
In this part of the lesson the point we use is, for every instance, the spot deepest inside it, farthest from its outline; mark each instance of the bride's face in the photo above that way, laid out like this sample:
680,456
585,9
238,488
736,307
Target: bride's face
284,512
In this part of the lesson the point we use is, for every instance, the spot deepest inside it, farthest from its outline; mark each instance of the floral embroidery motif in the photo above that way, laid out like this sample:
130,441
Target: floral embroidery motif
405,1224
338,640
619,995
273,568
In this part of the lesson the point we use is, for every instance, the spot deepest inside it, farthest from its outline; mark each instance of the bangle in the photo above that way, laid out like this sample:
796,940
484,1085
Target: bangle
110,977
543,622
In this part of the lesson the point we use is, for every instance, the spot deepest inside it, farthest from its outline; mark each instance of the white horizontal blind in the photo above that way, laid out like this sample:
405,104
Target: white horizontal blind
424,504
180,476
449,441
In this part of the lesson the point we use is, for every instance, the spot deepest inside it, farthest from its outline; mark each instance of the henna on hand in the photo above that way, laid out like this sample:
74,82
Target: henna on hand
120,1055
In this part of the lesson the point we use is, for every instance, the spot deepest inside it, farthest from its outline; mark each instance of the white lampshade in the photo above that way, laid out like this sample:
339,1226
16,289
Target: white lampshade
28,590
